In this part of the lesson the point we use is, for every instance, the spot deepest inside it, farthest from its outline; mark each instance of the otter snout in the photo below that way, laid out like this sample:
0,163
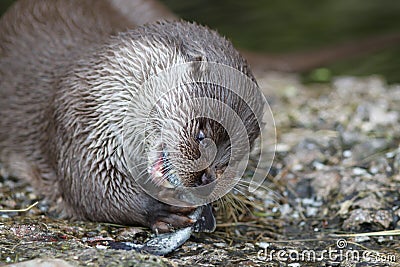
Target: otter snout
207,177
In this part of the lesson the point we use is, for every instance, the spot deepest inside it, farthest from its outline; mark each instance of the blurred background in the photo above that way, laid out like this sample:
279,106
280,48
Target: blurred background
284,26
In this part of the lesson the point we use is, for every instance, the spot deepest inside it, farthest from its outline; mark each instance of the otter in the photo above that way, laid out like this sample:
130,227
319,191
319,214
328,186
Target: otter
68,70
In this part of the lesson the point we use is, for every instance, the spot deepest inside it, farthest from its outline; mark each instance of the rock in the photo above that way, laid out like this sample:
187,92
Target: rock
370,202
42,263
376,220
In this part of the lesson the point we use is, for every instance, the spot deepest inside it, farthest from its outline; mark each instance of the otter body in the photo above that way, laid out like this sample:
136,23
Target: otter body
67,72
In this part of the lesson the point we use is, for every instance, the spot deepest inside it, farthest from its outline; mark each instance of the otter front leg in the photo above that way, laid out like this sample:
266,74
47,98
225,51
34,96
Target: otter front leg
166,211
165,218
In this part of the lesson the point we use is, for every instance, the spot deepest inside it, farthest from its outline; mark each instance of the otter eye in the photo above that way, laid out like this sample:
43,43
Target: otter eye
200,136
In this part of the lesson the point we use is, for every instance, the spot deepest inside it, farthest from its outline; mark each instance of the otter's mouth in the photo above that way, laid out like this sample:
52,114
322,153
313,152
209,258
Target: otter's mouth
162,172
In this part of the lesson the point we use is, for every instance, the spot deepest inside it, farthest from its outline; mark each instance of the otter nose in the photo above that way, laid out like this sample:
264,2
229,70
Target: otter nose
207,177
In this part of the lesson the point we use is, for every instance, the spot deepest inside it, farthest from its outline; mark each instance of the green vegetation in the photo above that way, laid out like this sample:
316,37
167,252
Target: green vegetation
280,26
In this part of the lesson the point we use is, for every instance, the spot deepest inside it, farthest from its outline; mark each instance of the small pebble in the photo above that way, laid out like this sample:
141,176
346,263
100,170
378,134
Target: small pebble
318,165
347,153
359,171
220,245
359,239
374,170
263,245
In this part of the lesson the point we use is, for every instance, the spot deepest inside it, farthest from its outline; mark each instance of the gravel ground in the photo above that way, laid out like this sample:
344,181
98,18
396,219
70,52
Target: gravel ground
332,198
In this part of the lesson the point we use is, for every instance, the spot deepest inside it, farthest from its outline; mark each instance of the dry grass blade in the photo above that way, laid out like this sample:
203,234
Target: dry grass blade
21,210
380,233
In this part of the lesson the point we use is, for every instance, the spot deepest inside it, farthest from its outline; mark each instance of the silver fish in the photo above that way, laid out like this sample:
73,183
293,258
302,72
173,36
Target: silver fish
163,244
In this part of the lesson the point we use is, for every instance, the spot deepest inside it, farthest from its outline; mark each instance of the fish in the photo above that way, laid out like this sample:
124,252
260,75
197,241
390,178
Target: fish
163,244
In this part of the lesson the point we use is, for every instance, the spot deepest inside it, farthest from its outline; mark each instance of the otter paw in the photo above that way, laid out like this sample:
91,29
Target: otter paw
169,218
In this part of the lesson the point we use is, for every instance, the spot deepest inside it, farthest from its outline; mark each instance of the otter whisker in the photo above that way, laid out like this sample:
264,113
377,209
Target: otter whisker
138,165
275,195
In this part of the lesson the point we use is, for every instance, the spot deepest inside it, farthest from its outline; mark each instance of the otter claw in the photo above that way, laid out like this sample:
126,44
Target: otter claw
171,222
161,227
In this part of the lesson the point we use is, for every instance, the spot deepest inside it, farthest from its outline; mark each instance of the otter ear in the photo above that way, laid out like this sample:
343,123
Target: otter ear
198,65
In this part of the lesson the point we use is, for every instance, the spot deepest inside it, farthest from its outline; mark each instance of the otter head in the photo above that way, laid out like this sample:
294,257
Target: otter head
195,107
200,126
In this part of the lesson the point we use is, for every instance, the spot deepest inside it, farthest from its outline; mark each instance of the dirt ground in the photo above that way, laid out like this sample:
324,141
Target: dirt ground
332,197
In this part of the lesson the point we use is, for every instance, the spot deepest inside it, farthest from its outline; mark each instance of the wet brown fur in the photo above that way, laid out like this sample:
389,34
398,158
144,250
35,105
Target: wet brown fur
65,67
